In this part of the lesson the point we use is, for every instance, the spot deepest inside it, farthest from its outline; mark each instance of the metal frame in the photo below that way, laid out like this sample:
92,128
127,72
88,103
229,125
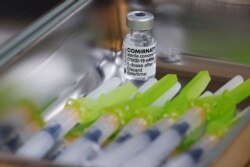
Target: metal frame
39,28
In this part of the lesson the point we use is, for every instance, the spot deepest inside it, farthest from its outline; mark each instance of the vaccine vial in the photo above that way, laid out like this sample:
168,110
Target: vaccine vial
139,47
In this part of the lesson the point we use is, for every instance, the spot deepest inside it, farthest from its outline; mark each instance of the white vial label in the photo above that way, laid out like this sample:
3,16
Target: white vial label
139,62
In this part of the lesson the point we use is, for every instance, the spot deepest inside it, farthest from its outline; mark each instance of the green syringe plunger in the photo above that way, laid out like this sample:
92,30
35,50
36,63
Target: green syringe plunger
89,110
129,109
176,108
220,113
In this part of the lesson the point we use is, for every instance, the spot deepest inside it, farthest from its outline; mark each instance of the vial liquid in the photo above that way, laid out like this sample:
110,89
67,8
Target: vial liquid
139,47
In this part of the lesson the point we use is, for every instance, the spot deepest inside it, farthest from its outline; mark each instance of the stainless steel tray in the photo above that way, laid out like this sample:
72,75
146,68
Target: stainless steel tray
80,47
16,15
21,22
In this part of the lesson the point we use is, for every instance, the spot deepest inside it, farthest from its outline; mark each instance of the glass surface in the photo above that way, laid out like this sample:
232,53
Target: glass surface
211,28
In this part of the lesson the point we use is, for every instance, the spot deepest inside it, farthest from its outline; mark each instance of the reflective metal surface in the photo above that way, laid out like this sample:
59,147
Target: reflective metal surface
91,39
33,32
17,15
83,49
63,59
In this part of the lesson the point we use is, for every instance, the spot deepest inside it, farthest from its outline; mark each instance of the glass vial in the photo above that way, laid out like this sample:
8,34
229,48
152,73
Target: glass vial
139,47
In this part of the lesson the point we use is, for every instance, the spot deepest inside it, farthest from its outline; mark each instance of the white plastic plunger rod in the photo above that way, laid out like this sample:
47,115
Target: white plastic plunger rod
230,85
59,125
104,88
162,146
167,95
138,125
123,152
38,145
194,154
144,87
147,85
87,146
233,83
119,154
205,94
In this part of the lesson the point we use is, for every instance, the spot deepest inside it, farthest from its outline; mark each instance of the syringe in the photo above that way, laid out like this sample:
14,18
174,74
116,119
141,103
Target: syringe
193,155
38,145
43,141
17,126
197,133
128,149
153,113
168,141
217,126
85,148
140,123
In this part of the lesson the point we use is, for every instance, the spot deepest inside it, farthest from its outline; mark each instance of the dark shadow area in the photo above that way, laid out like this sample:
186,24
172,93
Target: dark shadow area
16,15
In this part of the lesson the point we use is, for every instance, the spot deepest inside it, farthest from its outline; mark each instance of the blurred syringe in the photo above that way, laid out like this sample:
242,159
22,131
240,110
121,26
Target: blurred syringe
63,145
41,143
120,154
216,131
156,152
145,118
18,124
87,146
197,133
212,107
